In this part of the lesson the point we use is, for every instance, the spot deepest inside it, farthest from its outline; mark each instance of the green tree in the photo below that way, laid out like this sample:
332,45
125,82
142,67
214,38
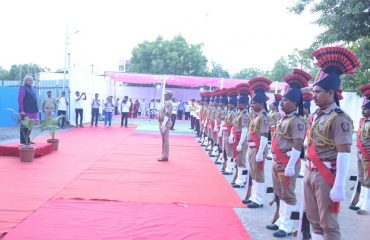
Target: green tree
169,57
4,74
344,20
362,76
280,70
302,59
249,73
18,72
218,71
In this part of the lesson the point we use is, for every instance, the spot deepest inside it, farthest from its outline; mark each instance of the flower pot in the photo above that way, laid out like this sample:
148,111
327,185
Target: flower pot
27,154
55,143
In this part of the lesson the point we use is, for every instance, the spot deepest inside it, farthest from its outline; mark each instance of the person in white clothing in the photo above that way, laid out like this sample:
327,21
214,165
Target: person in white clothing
95,105
78,107
125,109
108,109
62,109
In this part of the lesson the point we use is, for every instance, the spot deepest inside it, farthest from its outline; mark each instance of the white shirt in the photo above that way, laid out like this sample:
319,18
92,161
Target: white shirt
109,107
62,104
125,107
187,108
95,103
174,107
78,103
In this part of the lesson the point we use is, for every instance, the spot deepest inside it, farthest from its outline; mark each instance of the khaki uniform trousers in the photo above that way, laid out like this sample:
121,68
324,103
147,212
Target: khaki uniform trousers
228,147
241,159
165,142
317,200
363,169
255,173
49,113
285,193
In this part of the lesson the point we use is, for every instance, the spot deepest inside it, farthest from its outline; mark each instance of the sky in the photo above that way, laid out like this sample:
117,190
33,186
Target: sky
235,33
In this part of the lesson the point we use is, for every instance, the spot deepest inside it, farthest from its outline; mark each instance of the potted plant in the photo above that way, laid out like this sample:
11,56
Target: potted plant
51,125
26,152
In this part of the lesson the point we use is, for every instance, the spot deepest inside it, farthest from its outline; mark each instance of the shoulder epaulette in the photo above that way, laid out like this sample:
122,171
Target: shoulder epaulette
339,111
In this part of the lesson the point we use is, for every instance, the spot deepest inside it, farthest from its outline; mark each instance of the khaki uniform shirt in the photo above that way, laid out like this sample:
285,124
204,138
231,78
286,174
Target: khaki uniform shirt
166,110
259,123
339,131
223,114
289,127
274,117
231,116
365,135
217,114
241,120
49,103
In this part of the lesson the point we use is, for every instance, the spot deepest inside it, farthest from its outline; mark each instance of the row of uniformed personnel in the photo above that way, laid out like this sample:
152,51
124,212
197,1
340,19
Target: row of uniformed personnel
238,131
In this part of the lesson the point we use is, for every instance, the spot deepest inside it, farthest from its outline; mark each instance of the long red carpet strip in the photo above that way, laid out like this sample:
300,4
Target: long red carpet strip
185,198
86,220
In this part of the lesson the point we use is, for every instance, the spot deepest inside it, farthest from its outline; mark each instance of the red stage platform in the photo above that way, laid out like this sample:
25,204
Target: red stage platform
13,149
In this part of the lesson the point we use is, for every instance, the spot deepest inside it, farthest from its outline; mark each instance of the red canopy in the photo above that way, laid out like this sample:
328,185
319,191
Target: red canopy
182,81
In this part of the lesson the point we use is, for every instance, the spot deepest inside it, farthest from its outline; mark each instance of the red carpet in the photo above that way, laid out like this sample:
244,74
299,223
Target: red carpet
116,164
86,220
13,149
131,173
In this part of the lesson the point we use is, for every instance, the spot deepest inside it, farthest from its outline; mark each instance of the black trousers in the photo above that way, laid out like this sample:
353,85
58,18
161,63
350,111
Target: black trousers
187,115
116,110
179,114
173,119
124,117
197,126
79,111
24,134
94,116
63,115
192,121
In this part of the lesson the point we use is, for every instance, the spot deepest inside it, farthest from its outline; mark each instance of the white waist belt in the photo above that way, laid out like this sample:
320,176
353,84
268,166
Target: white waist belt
310,164
251,144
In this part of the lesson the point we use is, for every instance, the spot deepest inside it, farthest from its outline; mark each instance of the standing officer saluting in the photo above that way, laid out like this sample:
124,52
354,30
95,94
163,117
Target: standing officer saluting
286,149
165,124
329,144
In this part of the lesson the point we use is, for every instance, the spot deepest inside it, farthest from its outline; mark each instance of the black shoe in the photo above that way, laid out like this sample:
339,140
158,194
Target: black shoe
217,162
32,143
299,176
238,186
254,205
354,207
227,173
272,227
281,233
269,158
246,201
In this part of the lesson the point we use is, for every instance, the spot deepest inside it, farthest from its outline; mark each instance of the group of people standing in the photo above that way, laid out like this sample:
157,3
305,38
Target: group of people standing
237,131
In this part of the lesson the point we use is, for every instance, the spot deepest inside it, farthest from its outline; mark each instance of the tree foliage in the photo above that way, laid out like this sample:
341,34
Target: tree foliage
169,57
3,73
344,20
218,71
249,73
362,76
347,22
18,72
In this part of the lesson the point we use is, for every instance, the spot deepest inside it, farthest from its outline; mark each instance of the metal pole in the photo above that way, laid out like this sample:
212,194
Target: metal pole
65,62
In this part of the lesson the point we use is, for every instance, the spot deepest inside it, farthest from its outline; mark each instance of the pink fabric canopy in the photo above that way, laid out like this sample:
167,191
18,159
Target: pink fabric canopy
182,81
